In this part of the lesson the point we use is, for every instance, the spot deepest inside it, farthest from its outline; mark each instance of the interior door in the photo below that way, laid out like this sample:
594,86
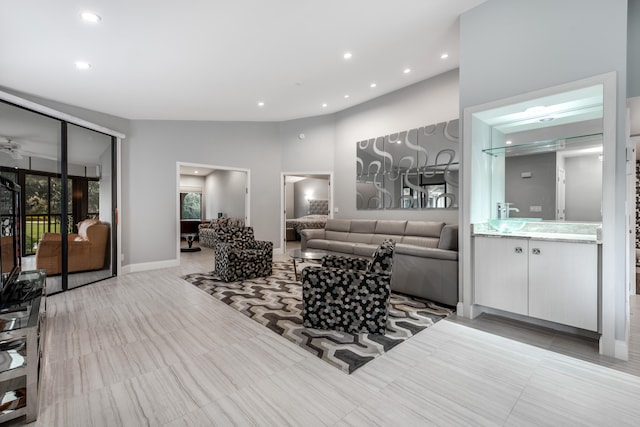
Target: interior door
560,194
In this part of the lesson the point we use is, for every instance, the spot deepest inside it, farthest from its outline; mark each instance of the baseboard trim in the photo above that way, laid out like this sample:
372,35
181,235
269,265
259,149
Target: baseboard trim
147,266
621,350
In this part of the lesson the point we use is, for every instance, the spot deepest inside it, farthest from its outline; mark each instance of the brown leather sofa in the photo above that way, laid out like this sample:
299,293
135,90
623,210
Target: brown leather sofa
87,248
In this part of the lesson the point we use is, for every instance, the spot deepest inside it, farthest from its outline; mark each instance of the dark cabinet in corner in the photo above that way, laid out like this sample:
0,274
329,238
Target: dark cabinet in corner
22,330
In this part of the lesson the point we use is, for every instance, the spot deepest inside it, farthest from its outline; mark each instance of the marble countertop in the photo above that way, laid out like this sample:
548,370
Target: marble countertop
541,231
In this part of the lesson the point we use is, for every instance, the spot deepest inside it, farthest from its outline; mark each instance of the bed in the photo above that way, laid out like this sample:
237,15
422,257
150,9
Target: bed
317,218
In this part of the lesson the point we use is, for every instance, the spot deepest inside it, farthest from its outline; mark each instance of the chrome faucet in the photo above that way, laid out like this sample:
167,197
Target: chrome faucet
504,209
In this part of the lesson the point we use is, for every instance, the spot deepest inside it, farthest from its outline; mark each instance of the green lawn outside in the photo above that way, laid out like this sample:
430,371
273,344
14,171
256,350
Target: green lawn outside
34,230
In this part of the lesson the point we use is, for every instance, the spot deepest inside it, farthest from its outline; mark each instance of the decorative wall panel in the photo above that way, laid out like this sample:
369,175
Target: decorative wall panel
412,169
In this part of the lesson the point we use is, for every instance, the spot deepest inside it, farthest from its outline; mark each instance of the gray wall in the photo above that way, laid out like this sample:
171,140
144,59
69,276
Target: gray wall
583,201
149,177
427,102
511,47
225,192
633,49
319,189
539,190
315,151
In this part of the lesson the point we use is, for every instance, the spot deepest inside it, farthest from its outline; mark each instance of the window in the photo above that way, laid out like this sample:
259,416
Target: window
190,205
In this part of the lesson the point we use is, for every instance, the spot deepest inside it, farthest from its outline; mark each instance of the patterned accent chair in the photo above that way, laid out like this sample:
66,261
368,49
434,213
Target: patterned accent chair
207,232
239,256
349,294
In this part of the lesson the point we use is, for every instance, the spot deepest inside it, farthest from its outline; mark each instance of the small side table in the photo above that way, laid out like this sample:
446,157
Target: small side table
300,255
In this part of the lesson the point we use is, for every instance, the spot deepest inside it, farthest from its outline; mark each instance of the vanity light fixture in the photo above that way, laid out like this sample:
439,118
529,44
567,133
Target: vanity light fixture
535,110
91,17
372,85
347,55
82,65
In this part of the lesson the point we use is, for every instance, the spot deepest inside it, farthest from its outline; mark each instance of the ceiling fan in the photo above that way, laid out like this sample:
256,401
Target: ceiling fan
12,148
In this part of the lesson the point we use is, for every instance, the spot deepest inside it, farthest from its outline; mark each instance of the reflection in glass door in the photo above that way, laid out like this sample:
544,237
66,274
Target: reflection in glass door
91,214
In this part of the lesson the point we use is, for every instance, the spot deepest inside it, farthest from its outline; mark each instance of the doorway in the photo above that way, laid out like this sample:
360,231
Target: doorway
205,192
307,202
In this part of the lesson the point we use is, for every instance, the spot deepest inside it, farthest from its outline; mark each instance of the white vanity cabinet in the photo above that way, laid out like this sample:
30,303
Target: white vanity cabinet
501,273
563,283
550,280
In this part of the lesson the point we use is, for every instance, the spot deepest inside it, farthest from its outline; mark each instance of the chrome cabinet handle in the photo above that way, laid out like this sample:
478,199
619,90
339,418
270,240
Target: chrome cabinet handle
535,251
518,250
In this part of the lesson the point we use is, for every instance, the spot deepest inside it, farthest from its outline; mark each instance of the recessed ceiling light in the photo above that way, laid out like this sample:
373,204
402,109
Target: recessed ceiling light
324,105
195,171
347,55
346,96
82,65
90,17
547,119
373,85
260,104
407,70
509,142
444,56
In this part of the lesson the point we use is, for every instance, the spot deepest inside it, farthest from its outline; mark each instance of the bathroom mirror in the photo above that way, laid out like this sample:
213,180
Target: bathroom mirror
412,169
546,156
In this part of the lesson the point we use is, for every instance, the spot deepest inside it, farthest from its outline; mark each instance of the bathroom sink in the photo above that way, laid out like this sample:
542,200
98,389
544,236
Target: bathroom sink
507,225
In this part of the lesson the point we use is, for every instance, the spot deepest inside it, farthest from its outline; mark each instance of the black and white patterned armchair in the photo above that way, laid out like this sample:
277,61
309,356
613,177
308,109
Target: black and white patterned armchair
239,256
349,294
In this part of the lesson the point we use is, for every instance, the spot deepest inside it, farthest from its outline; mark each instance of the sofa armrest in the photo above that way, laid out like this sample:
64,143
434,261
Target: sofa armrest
308,234
419,251
449,237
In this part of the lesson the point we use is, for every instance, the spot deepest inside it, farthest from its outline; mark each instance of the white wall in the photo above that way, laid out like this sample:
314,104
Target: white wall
225,193
431,101
511,47
150,229
583,201
318,188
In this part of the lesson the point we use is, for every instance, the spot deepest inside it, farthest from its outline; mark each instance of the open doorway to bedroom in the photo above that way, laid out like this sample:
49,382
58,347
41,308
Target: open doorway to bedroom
307,202
206,192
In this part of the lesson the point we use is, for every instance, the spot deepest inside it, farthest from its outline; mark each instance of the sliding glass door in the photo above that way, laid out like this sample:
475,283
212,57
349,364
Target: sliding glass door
67,177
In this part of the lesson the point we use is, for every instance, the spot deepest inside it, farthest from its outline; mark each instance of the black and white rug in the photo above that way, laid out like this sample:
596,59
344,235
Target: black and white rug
276,302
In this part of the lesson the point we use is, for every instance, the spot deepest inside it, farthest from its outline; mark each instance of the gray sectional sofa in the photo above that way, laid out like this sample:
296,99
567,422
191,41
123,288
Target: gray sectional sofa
425,261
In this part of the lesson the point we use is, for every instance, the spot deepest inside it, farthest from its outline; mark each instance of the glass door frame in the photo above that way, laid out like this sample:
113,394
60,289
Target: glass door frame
115,141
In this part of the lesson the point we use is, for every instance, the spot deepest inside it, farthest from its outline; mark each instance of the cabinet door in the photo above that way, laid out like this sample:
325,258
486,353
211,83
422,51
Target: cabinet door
500,273
563,283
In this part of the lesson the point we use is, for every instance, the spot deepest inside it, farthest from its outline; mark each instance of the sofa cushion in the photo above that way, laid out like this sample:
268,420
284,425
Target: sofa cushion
424,228
338,225
359,237
336,235
339,246
318,244
426,242
393,227
363,249
434,253
377,239
363,226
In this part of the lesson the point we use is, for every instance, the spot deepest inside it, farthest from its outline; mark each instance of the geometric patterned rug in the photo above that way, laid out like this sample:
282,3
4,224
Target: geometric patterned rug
276,302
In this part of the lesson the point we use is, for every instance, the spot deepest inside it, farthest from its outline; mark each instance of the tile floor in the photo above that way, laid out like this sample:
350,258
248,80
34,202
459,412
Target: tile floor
150,349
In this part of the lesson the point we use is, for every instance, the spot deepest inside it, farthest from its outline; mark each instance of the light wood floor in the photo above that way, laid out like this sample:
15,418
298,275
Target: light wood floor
150,349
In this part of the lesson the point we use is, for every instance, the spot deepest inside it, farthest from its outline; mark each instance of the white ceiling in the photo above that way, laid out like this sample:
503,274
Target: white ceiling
215,60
